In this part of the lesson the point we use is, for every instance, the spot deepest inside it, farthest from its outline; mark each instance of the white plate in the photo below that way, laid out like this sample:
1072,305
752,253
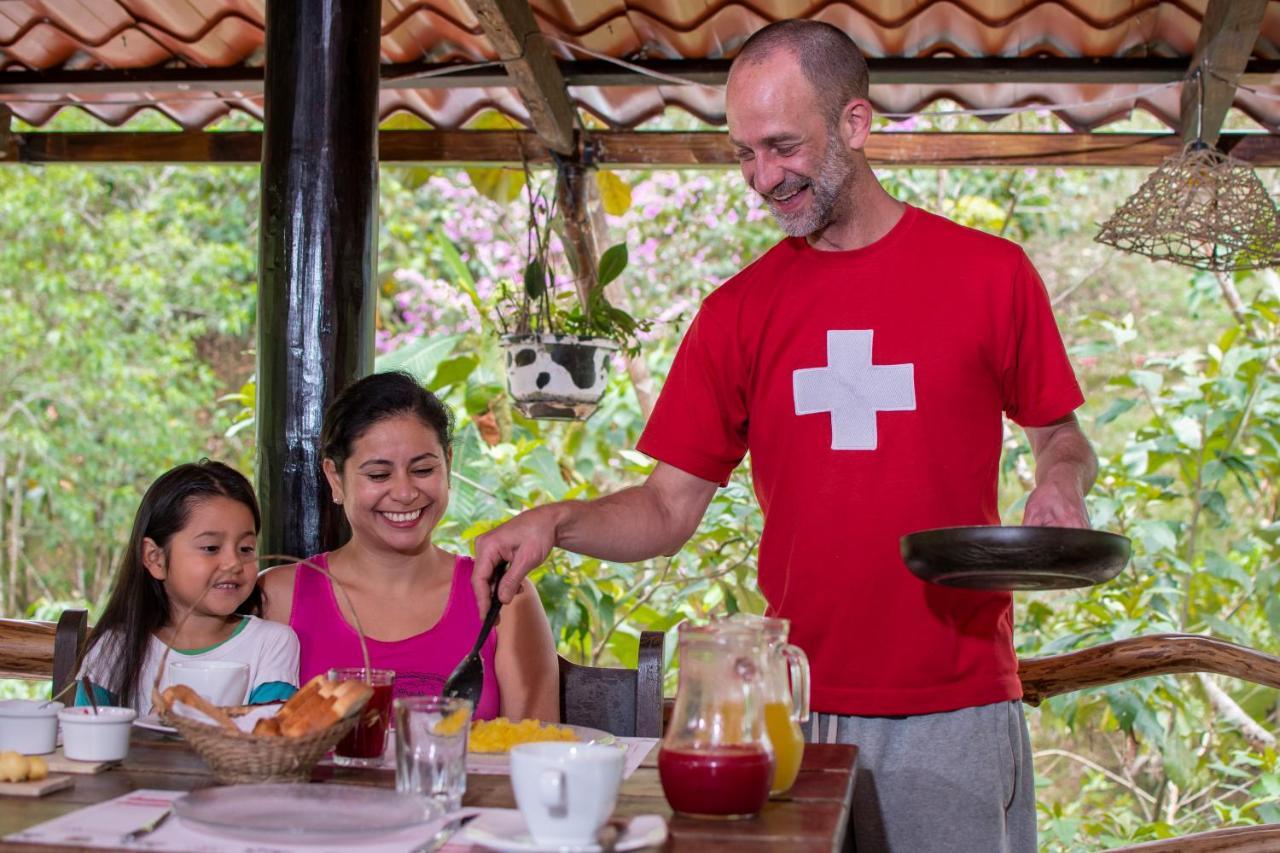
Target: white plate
505,830
500,760
152,722
303,814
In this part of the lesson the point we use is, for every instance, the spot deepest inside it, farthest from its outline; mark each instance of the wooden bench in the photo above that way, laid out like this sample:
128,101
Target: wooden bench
36,650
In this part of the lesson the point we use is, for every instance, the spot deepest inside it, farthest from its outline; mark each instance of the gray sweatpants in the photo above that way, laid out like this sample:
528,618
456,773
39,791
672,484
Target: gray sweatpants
955,782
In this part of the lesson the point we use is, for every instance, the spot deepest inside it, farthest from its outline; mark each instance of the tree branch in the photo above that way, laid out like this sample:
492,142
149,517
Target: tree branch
1253,732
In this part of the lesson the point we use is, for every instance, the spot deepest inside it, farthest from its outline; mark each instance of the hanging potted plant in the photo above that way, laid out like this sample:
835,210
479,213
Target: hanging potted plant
558,339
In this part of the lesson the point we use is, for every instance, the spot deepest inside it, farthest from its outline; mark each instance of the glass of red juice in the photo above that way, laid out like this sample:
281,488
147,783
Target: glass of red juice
365,744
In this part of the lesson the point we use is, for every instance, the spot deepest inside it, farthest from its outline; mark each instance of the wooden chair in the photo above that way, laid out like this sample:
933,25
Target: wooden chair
1160,654
624,702
37,650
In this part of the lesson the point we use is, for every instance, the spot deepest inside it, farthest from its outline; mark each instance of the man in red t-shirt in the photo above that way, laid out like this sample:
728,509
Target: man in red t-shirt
865,362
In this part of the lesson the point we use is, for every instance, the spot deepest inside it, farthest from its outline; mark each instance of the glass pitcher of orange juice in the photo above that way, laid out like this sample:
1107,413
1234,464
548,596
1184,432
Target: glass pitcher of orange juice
786,685
715,759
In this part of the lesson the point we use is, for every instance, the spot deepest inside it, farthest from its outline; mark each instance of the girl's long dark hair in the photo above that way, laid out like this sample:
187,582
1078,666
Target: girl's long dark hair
138,606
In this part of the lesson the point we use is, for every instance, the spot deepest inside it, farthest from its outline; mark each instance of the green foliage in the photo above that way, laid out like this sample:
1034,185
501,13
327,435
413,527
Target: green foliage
126,320
126,305
1192,479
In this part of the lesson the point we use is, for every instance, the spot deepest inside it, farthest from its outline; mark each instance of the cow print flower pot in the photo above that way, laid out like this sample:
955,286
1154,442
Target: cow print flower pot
557,377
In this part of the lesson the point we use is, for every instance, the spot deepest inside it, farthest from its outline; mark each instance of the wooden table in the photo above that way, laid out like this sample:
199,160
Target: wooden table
814,816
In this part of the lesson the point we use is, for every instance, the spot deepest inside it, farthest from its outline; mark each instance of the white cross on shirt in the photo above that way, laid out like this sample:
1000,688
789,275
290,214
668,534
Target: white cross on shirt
853,389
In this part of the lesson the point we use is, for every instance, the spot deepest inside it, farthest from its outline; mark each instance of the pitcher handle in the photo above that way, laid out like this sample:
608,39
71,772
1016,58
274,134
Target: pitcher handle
798,668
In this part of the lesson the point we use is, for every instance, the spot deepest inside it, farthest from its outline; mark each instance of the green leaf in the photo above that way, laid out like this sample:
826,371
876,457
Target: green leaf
1147,380
418,358
462,275
480,397
535,280
454,370
541,465
1156,536
1222,567
1118,407
612,263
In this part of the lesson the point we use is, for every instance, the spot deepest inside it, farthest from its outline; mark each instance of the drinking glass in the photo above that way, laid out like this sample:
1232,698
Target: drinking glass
431,747
365,744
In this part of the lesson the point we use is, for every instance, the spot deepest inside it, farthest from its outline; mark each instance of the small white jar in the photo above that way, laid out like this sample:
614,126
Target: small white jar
103,736
29,726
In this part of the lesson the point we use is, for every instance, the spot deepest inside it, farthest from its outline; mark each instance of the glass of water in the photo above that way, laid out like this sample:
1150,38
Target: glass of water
431,747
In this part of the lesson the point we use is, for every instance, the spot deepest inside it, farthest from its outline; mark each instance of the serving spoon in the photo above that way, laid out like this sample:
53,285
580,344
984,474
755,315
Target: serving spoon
467,680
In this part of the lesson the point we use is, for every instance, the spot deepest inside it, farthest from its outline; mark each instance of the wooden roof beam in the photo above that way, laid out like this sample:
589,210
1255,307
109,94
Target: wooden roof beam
511,28
640,149
1228,32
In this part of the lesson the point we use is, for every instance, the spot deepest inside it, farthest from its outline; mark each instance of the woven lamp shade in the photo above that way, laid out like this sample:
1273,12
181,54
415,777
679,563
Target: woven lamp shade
1202,209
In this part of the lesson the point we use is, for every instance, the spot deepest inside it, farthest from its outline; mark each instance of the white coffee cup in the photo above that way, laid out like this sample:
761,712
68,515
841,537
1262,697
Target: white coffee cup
566,791
222,682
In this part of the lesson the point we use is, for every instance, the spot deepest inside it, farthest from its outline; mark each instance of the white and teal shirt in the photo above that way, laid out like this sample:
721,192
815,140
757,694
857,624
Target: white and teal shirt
270,649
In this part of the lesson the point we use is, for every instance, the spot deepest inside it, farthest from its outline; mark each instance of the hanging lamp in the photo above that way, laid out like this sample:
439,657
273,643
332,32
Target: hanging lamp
1200,208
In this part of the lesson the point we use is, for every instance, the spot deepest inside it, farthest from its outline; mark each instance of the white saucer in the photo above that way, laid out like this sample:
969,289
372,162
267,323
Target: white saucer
504,830
152,722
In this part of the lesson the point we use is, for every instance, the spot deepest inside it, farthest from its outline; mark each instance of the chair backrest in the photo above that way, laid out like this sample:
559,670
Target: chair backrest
624,702
43,649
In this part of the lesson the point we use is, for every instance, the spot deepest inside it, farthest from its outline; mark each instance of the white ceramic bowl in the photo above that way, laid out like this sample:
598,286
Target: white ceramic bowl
104,736
29,726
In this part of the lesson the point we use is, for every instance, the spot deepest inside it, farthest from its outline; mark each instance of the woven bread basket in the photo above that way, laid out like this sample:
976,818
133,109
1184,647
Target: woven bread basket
243,757
240,757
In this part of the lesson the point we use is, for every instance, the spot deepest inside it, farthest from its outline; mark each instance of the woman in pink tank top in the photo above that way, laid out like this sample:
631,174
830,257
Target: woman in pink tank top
386,448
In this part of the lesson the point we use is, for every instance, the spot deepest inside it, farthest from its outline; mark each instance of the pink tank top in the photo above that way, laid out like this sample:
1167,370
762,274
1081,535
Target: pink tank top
422,663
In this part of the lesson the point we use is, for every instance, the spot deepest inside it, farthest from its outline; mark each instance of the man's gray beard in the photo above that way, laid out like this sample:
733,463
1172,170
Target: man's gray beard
830,182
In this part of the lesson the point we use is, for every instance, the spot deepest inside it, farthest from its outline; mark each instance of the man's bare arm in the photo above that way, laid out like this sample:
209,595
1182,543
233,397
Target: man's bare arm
1066,468
656,517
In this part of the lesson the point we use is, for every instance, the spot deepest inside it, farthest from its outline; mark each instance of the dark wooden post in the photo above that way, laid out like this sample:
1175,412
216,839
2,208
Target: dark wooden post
316,251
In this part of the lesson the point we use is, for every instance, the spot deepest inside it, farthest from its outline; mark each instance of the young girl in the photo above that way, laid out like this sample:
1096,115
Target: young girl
196,528
386,448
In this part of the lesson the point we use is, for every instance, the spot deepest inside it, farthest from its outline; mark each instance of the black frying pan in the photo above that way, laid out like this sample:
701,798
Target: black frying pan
1014,557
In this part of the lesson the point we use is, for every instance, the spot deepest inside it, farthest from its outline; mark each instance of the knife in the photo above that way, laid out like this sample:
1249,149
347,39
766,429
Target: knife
446,832
147,828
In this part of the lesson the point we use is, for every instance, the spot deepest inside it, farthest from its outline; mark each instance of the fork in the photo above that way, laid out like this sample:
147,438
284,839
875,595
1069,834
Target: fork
446,832
147,828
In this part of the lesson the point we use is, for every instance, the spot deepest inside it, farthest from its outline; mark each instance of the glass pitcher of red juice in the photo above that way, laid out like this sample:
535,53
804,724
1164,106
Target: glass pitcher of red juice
716,759
786,685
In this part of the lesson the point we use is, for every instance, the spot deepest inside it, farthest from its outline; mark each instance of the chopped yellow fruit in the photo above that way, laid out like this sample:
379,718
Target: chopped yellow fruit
36,768
501,734
453,723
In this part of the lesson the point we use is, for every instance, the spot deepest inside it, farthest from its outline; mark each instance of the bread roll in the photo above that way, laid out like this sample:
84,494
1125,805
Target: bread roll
184,694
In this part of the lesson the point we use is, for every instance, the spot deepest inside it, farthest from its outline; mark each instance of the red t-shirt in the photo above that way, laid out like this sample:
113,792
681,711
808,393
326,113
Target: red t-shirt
868,386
